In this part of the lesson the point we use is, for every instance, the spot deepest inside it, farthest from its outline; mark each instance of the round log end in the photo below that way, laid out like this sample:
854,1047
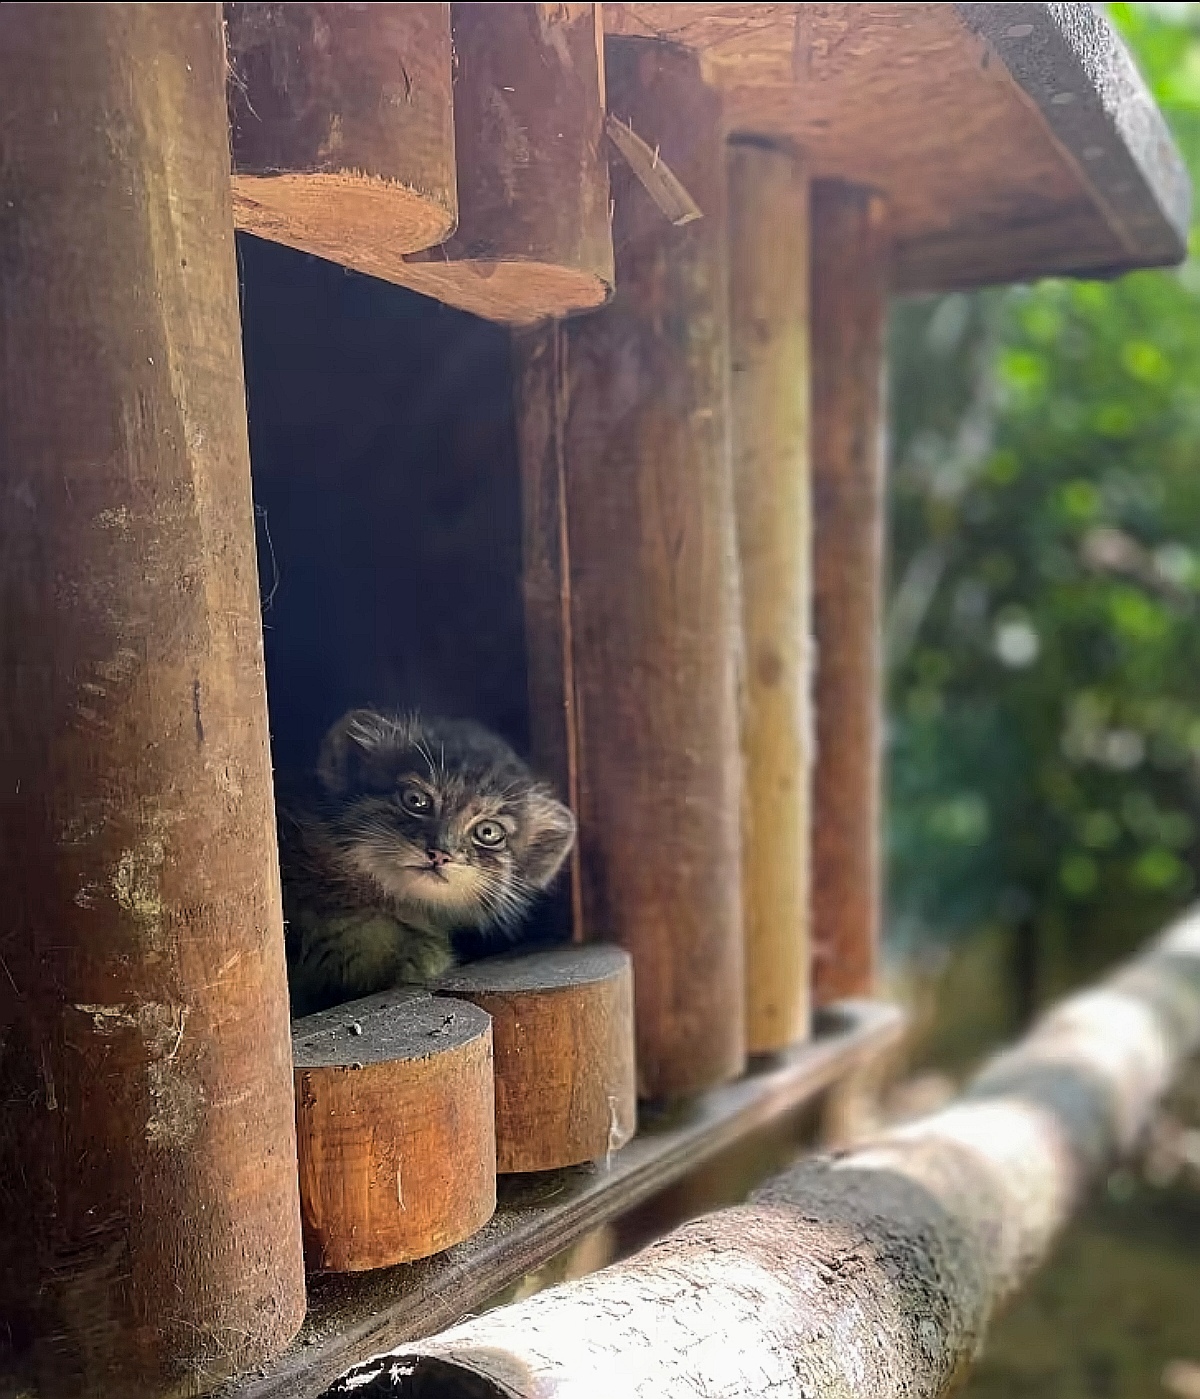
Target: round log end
510,291
341,121
395,1128
563,1026
361,221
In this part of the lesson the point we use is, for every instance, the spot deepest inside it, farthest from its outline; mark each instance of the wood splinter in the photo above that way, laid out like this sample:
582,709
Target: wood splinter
395,1128
563,1026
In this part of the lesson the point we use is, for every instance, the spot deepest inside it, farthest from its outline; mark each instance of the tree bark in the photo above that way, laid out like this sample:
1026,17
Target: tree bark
870,1273
149,1217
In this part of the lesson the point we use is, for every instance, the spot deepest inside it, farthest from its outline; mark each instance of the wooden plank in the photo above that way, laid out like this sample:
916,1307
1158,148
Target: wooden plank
1070,64
149,1216
849,312
989,143
769,373
353,1317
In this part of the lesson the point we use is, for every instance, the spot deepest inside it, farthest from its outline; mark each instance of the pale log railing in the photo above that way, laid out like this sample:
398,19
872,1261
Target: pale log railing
872,1272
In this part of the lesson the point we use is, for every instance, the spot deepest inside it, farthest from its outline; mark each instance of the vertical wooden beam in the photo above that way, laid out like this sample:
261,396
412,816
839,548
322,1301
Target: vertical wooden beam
639,399
149,1217
849,306
768,327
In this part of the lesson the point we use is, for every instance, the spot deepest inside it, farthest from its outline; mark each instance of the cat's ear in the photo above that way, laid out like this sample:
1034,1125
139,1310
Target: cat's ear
356,735
550,836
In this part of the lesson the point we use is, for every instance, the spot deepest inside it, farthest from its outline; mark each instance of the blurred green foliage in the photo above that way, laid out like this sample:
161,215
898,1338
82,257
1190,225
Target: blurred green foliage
1043,630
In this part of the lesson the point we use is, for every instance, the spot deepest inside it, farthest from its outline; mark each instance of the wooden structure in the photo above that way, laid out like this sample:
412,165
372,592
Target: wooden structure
875,1271
563,1027
387,1090
597,520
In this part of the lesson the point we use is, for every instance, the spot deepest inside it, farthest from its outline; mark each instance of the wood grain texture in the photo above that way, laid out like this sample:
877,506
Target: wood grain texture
654,598
354,1315
874,1271
993,180
395,1128
533,237
562,1022
342,128
849,308
149,1217
769,332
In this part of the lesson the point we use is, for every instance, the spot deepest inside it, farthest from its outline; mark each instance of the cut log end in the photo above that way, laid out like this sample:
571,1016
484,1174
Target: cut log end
563,1026
511,292
358,220
395,1128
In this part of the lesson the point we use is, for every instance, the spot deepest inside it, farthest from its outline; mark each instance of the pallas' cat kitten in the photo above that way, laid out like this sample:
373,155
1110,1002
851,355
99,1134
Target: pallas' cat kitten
417,828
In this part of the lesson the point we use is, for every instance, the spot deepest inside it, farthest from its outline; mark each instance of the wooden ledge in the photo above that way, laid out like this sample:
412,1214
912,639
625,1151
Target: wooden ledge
351,1317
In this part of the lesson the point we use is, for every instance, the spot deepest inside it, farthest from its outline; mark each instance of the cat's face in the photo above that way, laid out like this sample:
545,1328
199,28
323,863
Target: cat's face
441,816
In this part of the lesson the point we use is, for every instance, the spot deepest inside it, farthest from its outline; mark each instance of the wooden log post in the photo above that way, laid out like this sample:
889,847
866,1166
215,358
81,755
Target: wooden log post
542,395
395,1127
533,236
874,1272
632,607
768,327
342,128
563,1026
149,1214
849,308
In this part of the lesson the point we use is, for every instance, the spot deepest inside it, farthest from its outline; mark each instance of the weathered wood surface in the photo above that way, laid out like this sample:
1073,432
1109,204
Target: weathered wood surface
395,1128
342,128
872,1272
849,310
769,335
641,402
352,1316
542,395
149,1218
562,1021
533,236
1031,145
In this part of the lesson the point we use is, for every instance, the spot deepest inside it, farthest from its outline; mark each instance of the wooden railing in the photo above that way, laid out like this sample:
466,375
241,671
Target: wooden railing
871,1272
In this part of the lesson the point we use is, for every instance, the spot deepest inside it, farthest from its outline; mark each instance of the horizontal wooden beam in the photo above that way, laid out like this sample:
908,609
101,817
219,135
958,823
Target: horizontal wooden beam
352,1317
873,1271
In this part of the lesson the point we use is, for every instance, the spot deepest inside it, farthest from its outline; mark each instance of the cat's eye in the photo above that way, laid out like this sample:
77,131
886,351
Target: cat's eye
414,800
491,835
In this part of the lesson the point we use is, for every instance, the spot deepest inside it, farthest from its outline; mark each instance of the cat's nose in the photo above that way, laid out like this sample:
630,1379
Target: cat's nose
437,858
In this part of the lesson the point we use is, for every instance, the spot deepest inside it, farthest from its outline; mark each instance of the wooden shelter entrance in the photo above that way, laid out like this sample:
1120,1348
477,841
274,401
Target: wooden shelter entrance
590,445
